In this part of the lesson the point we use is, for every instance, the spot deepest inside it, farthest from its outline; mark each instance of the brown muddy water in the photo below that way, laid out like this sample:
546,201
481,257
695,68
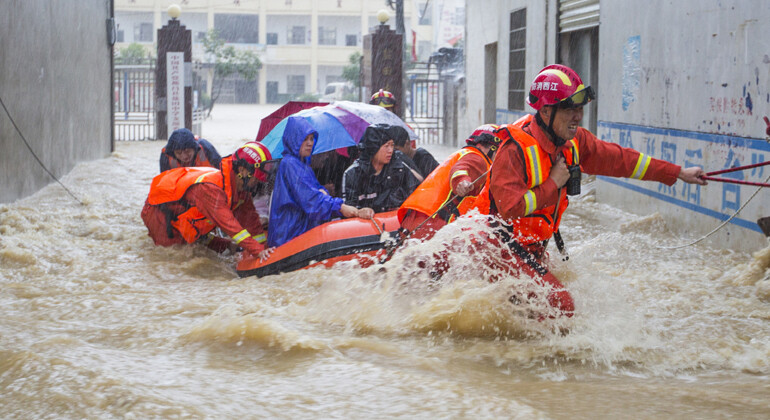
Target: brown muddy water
96,322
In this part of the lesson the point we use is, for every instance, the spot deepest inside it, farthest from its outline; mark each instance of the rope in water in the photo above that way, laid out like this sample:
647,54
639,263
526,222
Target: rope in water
35,155
721,225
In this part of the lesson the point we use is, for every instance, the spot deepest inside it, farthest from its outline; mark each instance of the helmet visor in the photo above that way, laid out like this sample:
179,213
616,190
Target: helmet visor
269,166
579,98
384,101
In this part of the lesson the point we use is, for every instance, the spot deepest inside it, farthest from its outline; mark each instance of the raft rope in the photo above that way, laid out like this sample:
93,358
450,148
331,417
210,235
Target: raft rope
35,155
376,225
730,218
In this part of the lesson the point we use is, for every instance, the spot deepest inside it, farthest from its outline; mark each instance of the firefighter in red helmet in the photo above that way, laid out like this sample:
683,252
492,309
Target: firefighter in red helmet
186,204
540,164
451,189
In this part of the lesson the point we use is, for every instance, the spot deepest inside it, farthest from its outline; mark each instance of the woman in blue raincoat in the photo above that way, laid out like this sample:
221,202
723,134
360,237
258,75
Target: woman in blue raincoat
299,202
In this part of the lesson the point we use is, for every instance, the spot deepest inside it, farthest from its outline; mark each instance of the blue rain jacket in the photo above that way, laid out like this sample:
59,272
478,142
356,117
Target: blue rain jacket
299,202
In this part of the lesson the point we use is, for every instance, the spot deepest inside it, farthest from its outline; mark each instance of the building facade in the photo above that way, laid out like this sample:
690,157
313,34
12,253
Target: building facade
303,44
685,81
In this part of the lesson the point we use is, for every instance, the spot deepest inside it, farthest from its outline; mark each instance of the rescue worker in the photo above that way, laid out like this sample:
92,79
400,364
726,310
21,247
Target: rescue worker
183,149
418,158
451,189
186,204
299,202
528,185
384,99
378,179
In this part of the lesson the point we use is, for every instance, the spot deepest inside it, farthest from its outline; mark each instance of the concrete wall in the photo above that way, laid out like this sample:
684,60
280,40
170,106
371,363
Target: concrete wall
689,82
488,22
55,80
685,81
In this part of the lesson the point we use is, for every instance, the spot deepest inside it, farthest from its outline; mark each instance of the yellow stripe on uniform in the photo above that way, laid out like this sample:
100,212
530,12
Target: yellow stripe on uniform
575,153
641,166
534,166
241,236
260,238
531,201
458,173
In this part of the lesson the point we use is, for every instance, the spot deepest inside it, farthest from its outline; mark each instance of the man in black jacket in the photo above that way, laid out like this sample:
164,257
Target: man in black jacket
419,158
378,179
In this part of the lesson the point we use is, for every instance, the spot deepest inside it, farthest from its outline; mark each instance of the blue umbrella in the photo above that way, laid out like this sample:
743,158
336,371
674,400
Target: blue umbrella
337,128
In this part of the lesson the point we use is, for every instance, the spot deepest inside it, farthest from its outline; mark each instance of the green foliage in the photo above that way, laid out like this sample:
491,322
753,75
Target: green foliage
307,97
351,72
134,53
227,61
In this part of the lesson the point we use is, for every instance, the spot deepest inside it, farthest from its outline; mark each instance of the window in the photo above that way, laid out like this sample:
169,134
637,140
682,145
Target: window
351,40
517,59
425,13
295,85
240,29
272,38
297,35
121,36
143,32
327,36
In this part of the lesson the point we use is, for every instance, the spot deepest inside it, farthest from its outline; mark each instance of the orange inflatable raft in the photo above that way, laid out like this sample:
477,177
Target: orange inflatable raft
327,244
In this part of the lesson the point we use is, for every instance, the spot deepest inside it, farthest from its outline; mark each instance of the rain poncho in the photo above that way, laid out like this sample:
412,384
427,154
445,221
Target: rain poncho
299,202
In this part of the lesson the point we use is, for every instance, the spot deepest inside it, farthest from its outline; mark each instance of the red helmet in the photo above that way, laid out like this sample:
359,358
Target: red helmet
558,84
383,98
485,134
253,155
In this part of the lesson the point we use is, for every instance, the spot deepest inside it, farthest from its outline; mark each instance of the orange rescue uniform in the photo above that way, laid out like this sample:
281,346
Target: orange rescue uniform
467,164
185,204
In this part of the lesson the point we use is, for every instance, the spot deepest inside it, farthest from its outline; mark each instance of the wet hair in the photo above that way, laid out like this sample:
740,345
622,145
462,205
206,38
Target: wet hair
180,139
399,135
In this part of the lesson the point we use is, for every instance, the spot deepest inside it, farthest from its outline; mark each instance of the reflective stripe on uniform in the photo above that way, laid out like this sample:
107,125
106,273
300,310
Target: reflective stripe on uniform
458,173
260,238
641,166
575,154
534,166
531,201
241,236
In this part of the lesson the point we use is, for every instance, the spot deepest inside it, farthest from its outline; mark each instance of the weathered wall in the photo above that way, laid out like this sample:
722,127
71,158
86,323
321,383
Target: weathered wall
688,82
55,81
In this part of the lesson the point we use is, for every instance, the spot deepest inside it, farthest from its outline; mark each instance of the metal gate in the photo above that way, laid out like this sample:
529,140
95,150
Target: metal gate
134,117
426,110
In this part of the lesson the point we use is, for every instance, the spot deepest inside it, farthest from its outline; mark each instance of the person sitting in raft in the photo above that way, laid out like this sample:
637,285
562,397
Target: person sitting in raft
299,202
378,179
539,165
450,191
183,150
186,204
418,158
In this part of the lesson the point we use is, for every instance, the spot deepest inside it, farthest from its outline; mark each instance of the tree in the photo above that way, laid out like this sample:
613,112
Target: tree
134,53
227,60
351,72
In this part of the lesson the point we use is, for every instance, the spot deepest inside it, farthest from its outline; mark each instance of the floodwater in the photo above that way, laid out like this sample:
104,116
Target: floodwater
96,322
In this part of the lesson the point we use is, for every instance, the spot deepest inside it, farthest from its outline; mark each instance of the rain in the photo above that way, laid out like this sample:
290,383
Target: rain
671,283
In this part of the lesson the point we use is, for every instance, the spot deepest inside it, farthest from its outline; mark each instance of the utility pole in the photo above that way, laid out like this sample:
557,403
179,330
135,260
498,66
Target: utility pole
400,29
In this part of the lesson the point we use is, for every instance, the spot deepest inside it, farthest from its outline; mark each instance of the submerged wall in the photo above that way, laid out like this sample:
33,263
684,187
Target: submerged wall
55,81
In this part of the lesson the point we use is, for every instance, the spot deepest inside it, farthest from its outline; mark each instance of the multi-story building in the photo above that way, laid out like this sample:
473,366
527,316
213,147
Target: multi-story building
303,44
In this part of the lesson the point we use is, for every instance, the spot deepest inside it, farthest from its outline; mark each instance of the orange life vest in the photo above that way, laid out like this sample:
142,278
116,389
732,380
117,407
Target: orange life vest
536,225
434,192
170,186
200,159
